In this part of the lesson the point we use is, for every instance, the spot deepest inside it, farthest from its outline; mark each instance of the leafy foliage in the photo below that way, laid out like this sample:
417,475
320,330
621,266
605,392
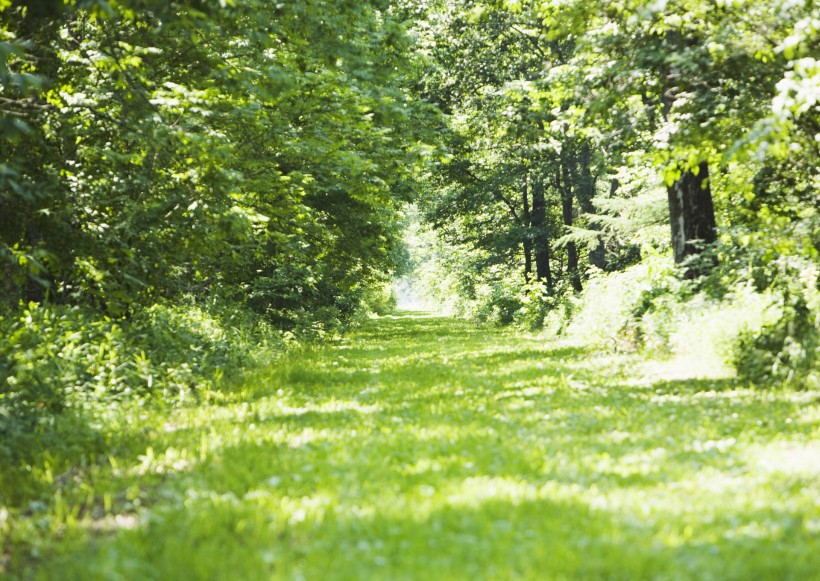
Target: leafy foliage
786,351
251,148
597,115
59,364
185,187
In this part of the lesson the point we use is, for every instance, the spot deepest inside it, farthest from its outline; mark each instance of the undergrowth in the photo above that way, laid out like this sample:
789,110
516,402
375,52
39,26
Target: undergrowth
62,367
65,369
724,324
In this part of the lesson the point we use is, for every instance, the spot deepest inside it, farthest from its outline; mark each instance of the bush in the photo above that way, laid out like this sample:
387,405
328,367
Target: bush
58,363
49,359
603,316
786,351
498,302
379,299
651,308
535,304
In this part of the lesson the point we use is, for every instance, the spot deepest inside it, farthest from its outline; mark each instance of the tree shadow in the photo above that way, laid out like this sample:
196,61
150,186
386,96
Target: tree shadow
698,385
451,527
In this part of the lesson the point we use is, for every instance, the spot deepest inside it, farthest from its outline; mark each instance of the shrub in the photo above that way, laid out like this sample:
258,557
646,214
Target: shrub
787,350
498,302
603,315
58,363
535,304
379,299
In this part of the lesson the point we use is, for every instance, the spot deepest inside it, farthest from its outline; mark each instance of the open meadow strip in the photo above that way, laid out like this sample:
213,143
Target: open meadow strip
423,447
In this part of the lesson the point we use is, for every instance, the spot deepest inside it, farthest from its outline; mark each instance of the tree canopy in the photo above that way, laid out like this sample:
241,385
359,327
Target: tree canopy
255,149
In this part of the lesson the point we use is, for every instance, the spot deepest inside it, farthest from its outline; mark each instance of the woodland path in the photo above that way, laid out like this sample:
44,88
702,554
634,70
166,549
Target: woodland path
430,448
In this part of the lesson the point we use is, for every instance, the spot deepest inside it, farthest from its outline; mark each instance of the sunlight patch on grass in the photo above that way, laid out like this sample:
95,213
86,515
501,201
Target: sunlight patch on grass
687,366
169,460
790,459
113,523
329,407
476,490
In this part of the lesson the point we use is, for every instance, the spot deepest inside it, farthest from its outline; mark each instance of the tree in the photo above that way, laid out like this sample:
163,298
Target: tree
486,68
160,149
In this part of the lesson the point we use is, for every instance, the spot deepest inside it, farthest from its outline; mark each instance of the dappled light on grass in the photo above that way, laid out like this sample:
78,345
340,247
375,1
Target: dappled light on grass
789,460
431,448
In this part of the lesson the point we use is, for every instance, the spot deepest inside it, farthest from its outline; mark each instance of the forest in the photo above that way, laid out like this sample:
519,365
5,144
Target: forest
434,289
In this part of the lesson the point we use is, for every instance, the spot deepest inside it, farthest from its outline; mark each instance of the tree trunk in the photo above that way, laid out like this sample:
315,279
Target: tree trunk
586,191
35,292
527,242
540,237
566,212
692,215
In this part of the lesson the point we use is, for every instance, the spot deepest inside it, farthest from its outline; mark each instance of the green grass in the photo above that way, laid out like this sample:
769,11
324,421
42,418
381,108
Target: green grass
429,448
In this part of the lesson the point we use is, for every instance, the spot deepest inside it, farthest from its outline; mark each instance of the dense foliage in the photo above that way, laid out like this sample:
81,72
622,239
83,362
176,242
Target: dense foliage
163,156
582,130
156,149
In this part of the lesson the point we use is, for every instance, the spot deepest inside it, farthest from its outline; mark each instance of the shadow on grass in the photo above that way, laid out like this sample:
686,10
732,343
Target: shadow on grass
691,386
365,497
451,527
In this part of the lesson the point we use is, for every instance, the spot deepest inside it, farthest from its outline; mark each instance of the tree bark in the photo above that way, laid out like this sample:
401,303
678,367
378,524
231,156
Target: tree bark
540,237
527,242
565,189
691,215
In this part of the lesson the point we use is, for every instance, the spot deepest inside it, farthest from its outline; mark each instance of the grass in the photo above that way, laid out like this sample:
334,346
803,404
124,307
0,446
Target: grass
429,448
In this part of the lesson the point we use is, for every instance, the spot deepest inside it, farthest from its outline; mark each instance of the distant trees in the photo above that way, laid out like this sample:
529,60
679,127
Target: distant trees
574,121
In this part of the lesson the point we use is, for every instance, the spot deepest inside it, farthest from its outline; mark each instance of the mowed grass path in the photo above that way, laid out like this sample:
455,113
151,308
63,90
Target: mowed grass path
429,448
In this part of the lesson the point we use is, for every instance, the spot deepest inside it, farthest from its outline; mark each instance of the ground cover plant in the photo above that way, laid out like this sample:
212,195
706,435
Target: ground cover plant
433,448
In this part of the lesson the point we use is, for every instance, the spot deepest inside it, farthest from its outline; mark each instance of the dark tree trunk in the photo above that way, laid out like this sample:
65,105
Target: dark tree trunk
572,251
527,242
540,238
586,191
35,292
566,213
692,215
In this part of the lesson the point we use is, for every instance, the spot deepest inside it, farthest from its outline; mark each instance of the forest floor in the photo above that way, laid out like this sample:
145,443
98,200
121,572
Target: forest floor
423,447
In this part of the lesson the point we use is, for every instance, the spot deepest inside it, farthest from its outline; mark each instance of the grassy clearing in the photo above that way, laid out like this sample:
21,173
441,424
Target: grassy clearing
429,448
